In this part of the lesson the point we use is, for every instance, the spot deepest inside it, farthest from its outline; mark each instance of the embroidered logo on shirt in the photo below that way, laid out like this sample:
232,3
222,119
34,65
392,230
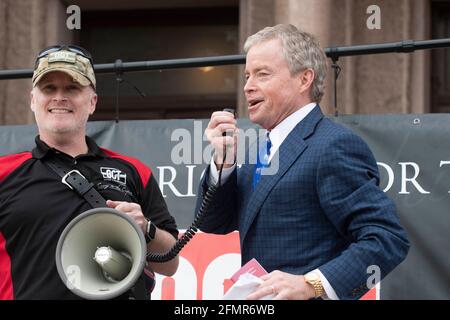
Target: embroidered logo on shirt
113,174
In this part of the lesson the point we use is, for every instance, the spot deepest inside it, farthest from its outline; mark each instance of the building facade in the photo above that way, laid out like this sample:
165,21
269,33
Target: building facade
139,30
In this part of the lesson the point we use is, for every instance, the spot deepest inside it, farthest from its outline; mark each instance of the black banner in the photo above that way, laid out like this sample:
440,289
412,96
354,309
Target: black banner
413,155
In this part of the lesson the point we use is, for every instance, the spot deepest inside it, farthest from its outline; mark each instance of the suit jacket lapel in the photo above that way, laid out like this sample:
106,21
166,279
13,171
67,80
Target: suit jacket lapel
291,148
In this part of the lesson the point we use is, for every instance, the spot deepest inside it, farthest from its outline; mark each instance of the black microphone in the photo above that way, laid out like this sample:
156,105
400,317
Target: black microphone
232,111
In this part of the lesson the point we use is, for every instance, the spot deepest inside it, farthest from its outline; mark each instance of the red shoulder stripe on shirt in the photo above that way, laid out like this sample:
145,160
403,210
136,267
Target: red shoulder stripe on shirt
144,171
11,162
6,286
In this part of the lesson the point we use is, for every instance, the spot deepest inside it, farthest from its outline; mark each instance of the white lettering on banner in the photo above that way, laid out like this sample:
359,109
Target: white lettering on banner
221,268
444,163
168,174
173,174
181,286
412,180
214,279
206,265
404,179
390,173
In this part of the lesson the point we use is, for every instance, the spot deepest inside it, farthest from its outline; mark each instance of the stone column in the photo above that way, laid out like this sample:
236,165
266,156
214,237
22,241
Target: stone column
253,16
315,17
386,83
3,48
25,28
370,84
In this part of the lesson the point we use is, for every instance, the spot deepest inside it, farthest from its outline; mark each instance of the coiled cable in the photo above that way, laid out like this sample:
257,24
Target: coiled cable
198,220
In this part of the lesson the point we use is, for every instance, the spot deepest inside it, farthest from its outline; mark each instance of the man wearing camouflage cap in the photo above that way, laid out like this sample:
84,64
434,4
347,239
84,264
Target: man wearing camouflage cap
77,66
35,206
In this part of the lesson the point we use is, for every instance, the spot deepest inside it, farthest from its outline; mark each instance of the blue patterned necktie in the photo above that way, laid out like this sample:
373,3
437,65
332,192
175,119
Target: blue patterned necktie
262,159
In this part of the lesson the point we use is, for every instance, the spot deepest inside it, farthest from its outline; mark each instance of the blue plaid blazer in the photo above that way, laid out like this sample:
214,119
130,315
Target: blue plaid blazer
321,209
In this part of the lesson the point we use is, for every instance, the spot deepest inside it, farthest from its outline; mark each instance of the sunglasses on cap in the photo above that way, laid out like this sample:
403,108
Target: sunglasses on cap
72,48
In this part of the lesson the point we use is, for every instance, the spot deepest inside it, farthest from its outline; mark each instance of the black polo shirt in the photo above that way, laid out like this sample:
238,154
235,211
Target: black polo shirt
35,207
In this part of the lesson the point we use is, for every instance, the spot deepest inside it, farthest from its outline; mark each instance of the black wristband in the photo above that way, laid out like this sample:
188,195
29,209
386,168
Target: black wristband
150,232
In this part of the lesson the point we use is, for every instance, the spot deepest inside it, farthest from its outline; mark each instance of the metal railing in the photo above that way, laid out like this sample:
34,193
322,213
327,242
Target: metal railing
333,52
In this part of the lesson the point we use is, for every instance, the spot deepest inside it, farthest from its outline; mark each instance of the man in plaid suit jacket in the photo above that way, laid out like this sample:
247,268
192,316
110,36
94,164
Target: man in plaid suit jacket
318,223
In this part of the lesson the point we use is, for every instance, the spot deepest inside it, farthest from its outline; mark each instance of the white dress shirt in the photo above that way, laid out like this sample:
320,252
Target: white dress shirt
277,136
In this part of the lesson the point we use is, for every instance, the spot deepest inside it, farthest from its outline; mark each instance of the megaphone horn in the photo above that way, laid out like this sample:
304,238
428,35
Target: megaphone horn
101,254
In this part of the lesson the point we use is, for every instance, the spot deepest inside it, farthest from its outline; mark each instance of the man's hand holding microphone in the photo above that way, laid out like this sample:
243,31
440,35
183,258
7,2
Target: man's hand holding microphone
222,134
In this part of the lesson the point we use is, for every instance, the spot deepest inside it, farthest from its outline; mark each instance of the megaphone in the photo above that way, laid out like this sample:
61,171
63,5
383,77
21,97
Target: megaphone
101,254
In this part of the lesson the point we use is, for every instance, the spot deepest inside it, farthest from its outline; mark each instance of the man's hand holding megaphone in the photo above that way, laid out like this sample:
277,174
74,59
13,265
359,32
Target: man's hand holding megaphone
102,252
162,241
133,210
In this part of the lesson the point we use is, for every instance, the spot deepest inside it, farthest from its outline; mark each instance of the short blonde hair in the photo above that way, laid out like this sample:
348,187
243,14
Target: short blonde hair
301,51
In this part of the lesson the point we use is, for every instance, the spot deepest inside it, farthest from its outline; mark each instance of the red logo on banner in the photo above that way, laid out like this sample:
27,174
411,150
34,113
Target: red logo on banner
207,264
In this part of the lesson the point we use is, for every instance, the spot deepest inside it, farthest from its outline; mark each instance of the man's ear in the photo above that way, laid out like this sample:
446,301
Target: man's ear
93,103
32,100
305,78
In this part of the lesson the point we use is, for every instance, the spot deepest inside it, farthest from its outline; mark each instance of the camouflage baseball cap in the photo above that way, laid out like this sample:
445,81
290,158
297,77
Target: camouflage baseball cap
74,64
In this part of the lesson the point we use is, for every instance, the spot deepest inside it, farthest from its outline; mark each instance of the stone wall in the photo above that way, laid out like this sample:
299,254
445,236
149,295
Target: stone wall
25,28
387,83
